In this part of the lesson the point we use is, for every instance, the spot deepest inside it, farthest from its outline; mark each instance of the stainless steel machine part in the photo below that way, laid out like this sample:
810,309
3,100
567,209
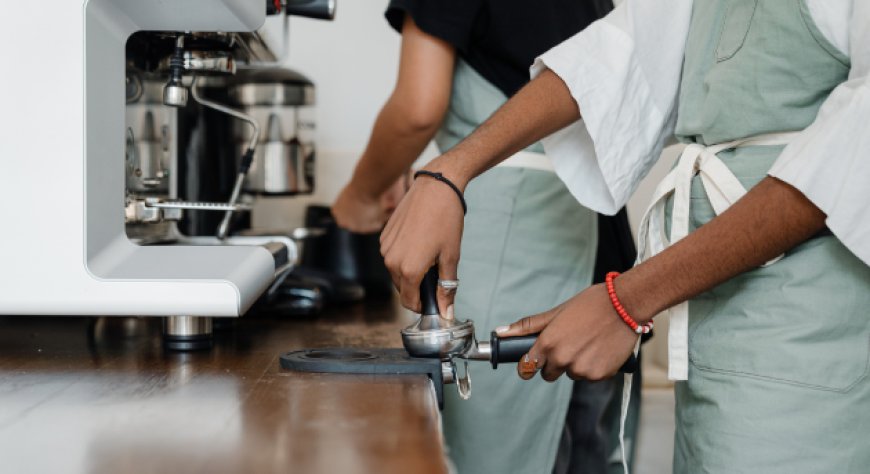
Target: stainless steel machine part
273,87
175,95
188,326
197,206
282,100
187,332
209,62
255,137
223,229
153,210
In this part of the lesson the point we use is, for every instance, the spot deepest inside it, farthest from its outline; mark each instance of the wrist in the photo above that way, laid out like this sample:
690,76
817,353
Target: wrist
359,192
637,296
437,176
451,167
638,327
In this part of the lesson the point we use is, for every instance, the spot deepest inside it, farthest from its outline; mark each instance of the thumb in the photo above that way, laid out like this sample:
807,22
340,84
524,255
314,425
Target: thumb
447,274
528,325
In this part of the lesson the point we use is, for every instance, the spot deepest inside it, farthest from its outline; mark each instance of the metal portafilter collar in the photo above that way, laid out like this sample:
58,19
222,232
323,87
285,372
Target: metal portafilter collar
432,335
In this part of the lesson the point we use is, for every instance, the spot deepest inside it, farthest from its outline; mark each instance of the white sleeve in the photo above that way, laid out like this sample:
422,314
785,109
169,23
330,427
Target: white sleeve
829,162
624,72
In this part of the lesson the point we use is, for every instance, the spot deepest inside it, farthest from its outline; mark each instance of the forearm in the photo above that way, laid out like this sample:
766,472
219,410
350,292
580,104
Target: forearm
411,116
540,108
392,148
772,218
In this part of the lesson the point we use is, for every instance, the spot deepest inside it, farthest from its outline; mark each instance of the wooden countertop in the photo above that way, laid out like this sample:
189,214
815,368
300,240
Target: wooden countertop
100,395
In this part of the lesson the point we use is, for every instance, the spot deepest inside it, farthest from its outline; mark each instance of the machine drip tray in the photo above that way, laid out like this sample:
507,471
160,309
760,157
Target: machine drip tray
342,360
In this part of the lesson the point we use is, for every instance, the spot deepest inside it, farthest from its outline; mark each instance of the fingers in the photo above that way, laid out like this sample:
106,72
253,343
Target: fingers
409,280
543,356
411,244
528,366
527,325
532,361
551,371
446,271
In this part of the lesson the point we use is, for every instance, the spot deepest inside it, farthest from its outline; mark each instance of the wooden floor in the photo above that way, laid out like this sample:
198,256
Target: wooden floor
102,396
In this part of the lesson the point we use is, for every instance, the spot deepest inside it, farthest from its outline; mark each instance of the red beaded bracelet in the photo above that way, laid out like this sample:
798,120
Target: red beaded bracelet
638,328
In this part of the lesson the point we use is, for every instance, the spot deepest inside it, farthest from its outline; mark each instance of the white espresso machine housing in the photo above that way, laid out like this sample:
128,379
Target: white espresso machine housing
64,247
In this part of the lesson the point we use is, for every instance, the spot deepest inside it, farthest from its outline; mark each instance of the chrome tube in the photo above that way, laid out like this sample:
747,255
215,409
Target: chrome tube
223,228
255,138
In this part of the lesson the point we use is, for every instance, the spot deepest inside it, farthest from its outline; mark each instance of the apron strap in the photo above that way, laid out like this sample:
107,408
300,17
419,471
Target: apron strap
723,189
623,408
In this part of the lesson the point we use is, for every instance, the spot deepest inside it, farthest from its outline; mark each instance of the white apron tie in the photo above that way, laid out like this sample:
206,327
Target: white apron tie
528,159
723,189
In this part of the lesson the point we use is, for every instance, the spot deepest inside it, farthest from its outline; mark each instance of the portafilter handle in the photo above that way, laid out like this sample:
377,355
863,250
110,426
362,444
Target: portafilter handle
429,292
512,349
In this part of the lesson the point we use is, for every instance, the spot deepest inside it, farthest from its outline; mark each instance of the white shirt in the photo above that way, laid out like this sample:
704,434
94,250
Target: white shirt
624,72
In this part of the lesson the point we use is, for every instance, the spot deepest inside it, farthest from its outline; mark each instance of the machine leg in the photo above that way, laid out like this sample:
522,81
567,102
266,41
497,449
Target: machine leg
187,333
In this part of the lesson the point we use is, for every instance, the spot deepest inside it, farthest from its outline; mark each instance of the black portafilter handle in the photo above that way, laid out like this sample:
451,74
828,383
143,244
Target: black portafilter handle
512,349
428,292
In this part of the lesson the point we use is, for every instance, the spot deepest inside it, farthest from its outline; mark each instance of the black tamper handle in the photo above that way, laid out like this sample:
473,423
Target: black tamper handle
428,292
509,349
512,349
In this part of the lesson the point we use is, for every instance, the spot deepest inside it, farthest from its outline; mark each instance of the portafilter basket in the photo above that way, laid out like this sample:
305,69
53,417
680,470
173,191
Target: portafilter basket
433,335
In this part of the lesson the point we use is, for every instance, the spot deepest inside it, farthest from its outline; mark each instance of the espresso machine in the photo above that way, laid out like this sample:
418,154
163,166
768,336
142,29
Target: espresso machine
146,132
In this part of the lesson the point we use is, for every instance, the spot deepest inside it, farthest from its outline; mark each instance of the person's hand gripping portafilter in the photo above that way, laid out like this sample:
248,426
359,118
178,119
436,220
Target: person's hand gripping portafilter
583,337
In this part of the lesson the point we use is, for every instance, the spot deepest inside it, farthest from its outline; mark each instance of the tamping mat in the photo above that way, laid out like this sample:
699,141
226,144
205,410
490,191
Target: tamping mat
343,360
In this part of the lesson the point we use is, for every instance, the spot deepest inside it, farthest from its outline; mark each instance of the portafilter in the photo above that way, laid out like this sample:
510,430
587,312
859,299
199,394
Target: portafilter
448,339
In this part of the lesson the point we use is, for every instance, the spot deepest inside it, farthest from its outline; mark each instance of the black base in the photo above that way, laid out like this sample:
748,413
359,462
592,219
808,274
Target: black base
365,361
187,343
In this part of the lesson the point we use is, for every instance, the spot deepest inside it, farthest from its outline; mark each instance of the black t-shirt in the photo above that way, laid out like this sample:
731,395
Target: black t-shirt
499,38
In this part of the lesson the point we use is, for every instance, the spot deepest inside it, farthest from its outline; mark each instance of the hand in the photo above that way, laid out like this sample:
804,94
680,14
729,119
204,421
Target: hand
358,212
425,229
583,336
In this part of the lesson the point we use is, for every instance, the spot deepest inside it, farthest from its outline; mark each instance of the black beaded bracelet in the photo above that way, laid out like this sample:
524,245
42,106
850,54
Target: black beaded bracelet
443,179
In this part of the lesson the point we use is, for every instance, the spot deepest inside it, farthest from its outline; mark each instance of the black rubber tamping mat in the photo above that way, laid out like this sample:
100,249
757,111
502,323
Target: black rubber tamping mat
344,360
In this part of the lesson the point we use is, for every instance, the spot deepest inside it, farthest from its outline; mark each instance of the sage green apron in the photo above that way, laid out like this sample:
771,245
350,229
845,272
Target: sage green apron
778,356
527,246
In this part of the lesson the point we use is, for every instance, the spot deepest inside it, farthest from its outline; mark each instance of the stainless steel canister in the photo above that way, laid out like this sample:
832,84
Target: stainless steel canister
282,101
147,150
